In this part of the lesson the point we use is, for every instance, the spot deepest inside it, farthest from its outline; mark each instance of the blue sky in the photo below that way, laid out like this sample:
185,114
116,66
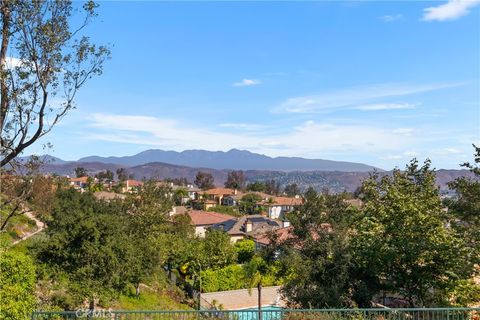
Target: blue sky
372,82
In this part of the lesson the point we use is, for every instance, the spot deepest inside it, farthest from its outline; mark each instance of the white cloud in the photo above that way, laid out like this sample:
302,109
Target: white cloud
309,138
391,18
352,97
409,154
385,106
404,131
246,83
243,126
451,10
392,157
447,151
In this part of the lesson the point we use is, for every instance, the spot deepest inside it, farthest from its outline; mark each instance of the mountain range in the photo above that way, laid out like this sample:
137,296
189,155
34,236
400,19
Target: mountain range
319,174
233,159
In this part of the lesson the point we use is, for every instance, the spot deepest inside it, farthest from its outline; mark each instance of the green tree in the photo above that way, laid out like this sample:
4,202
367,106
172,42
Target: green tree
204,180
292,190
272,187
80,172
245,250
106,175
51,58
218,250
148,227
17,285
465,206
43,194
464,211
179,195
235,180
87,241
256,186
318,253
92,186
403,239
228,278
178,181
248,203
310,193
122,174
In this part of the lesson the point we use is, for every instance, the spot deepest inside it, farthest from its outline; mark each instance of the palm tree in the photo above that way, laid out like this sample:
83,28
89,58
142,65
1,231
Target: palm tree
254,272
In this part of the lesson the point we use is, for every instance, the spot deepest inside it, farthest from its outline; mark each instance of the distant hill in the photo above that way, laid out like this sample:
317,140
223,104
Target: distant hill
67,168
45,158
233,159
335,181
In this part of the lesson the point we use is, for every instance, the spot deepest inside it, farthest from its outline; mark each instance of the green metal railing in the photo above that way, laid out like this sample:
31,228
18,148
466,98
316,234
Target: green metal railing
280,314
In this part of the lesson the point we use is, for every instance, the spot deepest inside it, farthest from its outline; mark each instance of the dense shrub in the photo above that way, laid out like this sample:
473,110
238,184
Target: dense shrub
17,285
228,278
245,250
232,278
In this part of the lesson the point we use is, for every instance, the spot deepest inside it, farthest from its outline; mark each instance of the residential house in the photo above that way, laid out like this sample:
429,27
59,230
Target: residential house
286,234
232,199
191,192
277,207
202,220
282,234
213,197
79,183
218,194
203,204
131,185
249,226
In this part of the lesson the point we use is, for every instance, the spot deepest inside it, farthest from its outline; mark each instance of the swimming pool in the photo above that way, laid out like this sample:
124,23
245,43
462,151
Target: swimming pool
272,313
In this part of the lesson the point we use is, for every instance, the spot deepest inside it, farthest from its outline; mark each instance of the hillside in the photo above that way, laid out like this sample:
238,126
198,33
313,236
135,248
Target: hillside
233,159
336,181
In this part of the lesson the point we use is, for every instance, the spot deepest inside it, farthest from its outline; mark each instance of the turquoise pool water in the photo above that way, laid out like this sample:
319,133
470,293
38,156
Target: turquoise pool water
250,314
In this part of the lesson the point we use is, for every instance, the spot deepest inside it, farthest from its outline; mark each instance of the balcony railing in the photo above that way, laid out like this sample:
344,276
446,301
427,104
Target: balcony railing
280,314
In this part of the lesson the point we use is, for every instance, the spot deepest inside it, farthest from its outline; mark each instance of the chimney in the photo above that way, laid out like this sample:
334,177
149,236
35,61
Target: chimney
285,223
248,226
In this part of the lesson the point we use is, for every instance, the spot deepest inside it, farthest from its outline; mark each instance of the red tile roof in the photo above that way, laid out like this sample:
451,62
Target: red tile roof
202,218
81,179
134,183
281,233
220,191
283,201
284,234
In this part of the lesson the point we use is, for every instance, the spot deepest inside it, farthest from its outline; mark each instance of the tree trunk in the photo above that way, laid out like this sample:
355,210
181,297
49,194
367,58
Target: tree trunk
91,308
259,287
5,11
137,290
